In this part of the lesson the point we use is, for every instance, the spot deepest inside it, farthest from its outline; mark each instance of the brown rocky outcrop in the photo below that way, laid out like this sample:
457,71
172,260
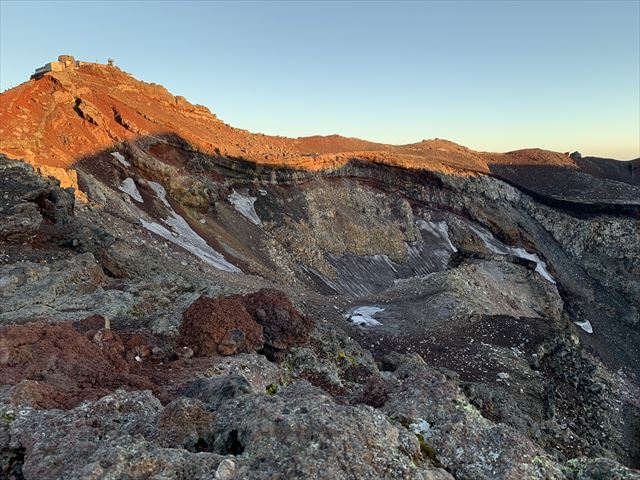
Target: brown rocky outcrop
264,321
89,112
284,327
209,327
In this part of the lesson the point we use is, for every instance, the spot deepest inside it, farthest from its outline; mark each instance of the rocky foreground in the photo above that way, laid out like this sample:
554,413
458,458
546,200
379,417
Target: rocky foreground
202,302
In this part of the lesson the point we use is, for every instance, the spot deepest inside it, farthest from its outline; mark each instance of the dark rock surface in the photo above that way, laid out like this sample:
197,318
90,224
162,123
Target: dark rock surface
307,435
214,392
110,436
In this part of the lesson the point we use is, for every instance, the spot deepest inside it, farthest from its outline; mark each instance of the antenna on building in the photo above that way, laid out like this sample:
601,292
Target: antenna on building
110,62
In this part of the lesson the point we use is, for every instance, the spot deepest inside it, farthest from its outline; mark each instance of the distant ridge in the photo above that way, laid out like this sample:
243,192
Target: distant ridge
77,109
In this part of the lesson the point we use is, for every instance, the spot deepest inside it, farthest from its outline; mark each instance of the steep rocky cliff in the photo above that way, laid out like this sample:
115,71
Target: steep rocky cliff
418,311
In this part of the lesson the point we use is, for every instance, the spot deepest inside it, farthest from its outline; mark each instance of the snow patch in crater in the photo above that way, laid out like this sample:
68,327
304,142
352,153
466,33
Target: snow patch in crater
121,159
128,186
363,316
496,246
184,236
244,204
585,325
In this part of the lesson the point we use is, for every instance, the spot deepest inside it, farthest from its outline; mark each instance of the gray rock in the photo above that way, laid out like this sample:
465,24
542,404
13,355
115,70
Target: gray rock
598,469
184,423
465,443
69,289
335,361
226,470
137,459
216,391
256,369
123,435
301,433
22,223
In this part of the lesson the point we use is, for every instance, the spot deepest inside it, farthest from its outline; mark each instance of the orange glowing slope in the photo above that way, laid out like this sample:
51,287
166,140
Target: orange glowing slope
63,117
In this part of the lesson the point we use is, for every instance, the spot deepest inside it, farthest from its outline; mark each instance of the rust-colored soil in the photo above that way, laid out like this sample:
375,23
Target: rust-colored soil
59,367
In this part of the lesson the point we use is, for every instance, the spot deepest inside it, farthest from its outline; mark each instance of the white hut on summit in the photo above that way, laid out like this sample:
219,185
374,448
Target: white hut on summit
65,62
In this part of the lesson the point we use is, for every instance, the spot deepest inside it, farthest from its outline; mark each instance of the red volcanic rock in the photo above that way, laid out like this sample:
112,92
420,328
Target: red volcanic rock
244,323
38,395
284,327
208,327
139,346
54,366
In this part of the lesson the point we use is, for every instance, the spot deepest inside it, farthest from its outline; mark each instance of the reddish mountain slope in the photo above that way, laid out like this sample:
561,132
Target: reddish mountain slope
63,117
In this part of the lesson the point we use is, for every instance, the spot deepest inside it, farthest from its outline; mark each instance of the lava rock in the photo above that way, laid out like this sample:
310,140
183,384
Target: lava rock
207,323
598,469
284,327
232,341
114,437
375,392
185,423
455,434
68,289
64,367
301,433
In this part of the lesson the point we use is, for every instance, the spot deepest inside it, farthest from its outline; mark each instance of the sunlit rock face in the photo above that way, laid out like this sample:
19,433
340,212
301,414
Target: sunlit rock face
418,311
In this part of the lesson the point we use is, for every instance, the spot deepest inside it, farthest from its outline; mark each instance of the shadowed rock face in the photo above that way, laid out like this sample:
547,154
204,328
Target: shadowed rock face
458,314
627,172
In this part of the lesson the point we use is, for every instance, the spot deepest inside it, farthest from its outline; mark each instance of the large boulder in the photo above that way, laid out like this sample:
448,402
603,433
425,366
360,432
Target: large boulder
455,434
284,327
219,326
114,437
300,432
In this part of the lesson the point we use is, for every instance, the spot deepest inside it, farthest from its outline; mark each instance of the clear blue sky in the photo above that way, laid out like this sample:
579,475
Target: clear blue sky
493,76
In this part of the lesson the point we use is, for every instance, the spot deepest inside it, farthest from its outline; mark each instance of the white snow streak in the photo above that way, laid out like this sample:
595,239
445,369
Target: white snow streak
121,159
183,235
363,316
244,205
128,186
497,246
585,325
